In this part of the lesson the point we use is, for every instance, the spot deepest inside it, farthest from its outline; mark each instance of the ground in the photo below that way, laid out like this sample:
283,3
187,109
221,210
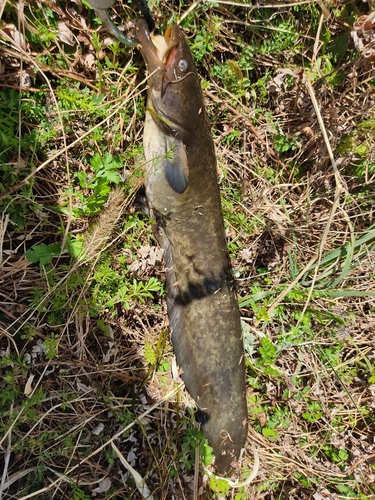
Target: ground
91,403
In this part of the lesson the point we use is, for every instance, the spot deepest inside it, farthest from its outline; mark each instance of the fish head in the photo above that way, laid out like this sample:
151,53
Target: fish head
175,96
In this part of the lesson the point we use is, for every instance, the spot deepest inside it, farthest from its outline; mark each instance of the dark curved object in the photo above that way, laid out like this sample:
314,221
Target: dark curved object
101,9
113,29
144,9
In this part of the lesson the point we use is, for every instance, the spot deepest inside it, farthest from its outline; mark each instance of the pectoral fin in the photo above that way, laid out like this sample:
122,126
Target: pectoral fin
177,169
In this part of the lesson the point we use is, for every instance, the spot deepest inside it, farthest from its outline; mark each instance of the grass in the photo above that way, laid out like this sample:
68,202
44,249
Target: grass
90,400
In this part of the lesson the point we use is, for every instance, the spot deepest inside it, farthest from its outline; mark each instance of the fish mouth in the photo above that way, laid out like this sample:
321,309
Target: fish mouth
159,52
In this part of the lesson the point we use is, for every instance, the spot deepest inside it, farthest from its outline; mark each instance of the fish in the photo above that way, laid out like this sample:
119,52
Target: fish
182,191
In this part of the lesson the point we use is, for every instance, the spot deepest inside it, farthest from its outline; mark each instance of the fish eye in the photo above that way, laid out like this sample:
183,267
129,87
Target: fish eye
182,65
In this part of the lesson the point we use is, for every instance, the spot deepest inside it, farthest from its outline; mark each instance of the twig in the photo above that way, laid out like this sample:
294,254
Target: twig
139,480
193,6
340,187
6,459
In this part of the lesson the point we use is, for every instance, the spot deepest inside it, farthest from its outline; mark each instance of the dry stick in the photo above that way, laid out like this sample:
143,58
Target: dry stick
317,41
7,334
340,184
338,191
189,10
359,462
325,11
110,441
3,227
2,5
7,454
138,479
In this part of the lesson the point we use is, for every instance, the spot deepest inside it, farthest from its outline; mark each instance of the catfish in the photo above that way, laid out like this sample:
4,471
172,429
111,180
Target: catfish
183,195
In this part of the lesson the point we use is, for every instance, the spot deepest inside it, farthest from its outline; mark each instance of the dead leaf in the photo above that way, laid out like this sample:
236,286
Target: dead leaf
65,34
275,86
324,494
84,39
103,487
363,35
15,35
98,429
138,479
247,255
28,387
262,418
147,257
83,387
89,61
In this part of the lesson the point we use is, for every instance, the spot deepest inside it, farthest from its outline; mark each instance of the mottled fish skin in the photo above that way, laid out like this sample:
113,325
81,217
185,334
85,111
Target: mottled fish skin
202,306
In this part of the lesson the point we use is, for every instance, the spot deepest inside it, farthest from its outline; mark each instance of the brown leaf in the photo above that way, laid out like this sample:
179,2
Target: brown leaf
15,35
65,34
89,61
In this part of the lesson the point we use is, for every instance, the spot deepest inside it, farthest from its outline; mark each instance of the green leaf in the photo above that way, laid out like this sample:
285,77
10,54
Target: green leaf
268,350
350,293
82,179
338,46
149,354
112,176
96,161
270,434
43,253
74,247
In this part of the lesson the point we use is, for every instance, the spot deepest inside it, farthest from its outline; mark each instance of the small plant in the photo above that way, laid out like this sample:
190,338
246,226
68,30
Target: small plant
219,486
105,171
314,412
269,354
43,253
150,355
50,346
190,442
339,456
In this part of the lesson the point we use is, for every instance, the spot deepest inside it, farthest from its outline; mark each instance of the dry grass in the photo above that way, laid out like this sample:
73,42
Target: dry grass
90,394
